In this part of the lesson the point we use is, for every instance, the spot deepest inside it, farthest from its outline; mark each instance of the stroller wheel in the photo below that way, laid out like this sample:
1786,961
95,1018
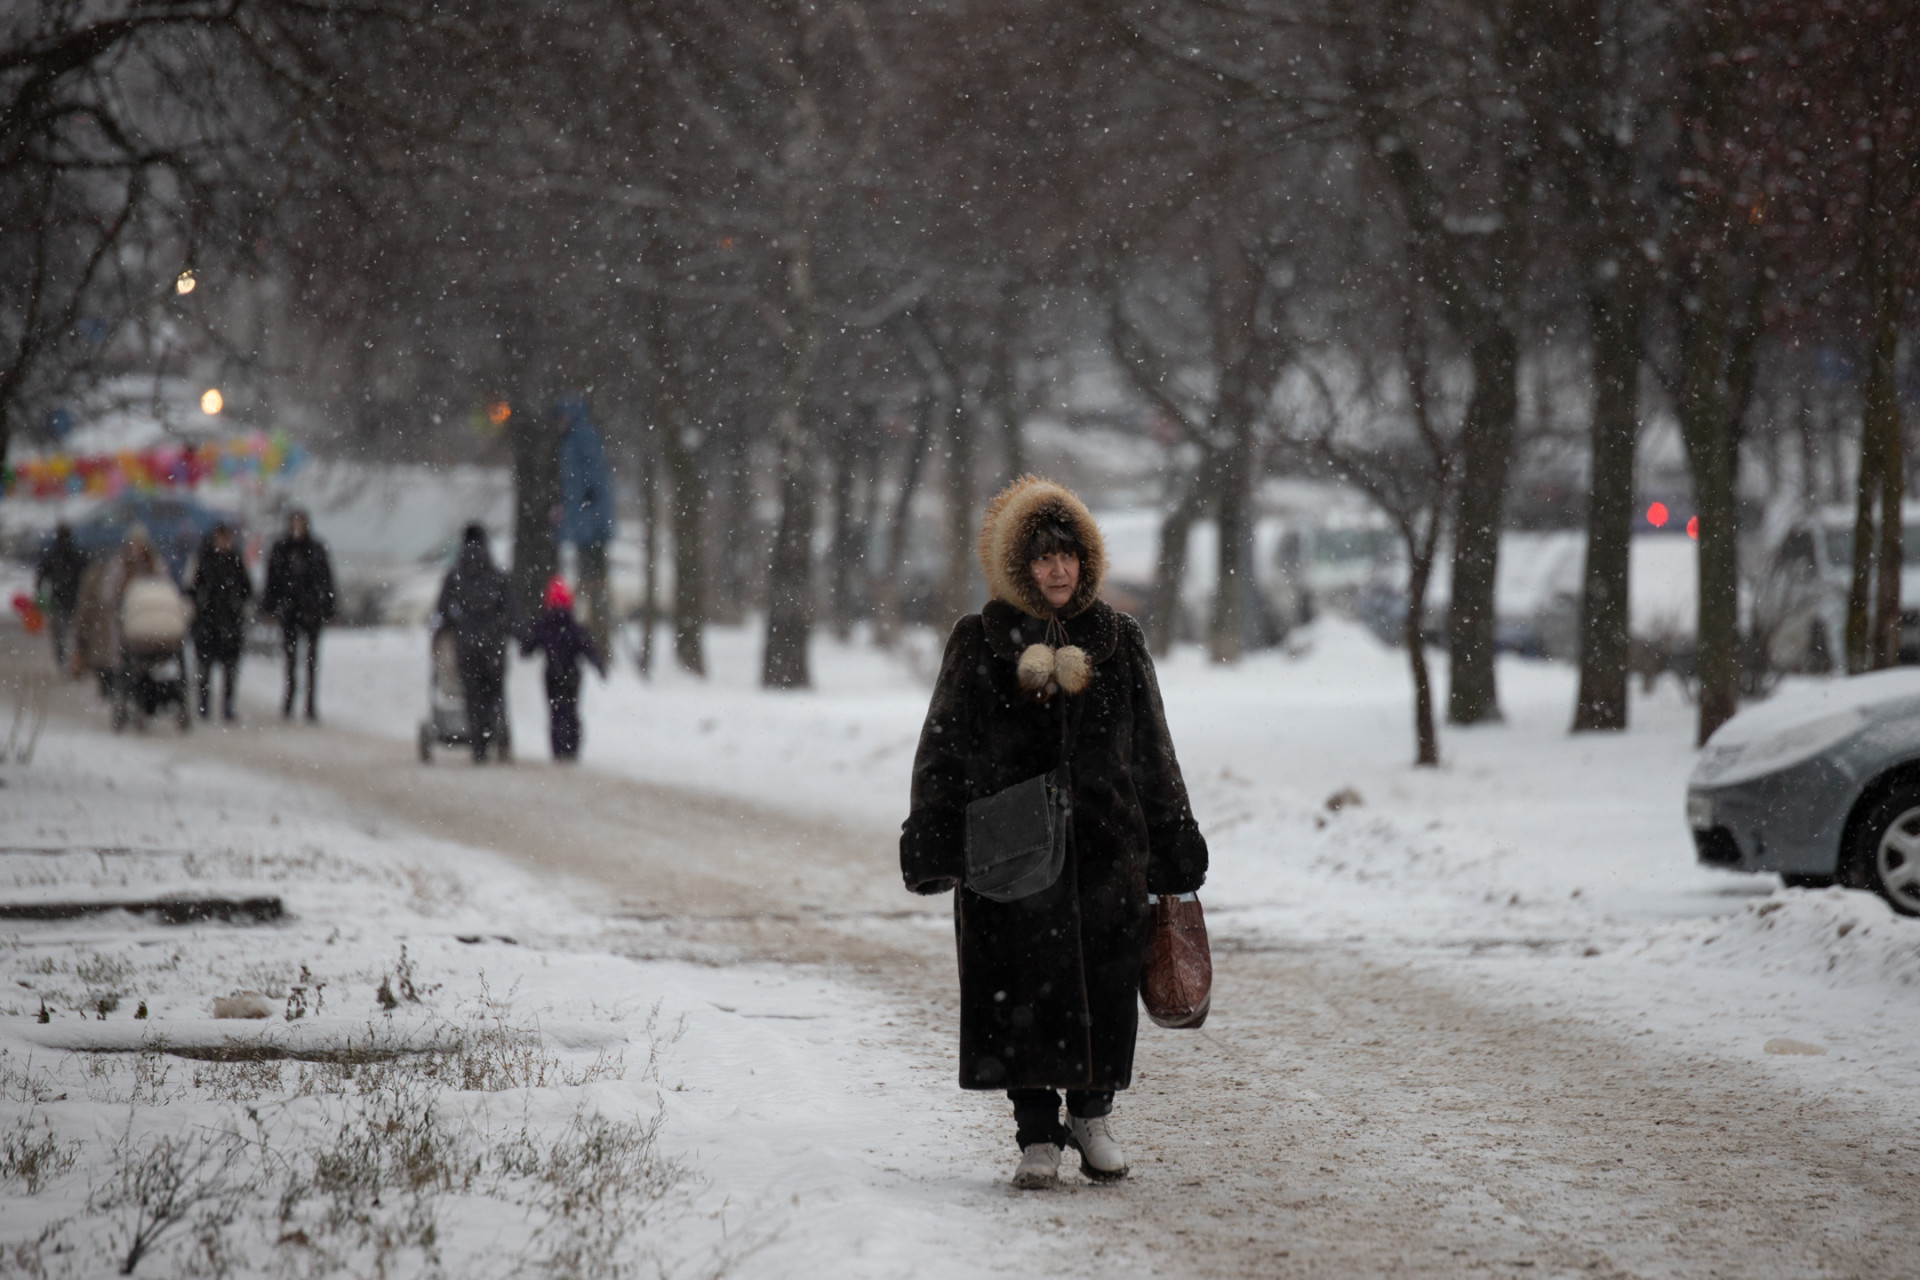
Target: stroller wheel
426,744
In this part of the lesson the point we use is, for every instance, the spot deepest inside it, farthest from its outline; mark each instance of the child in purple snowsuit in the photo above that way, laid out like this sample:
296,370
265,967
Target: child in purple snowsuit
558,634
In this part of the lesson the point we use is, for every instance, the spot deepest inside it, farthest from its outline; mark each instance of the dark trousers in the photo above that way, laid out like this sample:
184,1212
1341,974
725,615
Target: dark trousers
1036,1112
290,640
484,681
203,672
563,725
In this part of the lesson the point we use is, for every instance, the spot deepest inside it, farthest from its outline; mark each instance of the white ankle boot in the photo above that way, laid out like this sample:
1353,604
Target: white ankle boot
1039,1167
1100,1156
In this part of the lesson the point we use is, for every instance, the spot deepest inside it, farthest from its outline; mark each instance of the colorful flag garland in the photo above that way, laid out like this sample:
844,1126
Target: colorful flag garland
257,454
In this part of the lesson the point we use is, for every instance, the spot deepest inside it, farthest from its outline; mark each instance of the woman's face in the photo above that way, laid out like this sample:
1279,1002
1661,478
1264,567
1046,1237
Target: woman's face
1057,575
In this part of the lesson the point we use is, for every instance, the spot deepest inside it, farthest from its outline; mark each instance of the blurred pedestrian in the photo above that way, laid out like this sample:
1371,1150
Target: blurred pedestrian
559,635
476,600
56,581
1049,684
221,590
299,595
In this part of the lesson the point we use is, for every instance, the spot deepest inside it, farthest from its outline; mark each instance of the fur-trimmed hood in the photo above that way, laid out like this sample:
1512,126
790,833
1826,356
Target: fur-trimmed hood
1022,507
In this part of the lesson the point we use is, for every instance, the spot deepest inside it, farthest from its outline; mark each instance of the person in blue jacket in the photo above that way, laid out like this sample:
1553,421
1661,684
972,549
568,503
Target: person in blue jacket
559,635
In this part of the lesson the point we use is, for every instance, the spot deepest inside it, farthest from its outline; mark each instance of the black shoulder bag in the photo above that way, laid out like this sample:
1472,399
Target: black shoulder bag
1017,838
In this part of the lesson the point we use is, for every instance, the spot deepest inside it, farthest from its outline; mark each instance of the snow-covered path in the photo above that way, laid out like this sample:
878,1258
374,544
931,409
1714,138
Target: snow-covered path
1429,1055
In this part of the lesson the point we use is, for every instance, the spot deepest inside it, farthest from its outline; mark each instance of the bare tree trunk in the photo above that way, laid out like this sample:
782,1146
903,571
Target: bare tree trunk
1426,742
1882,407
649,555
678,454
790,585
956,586
841,551
734,538
1170,569
1709,427
1860,584
1605,619
536,494
1227,633
997,396
886,580
1486,452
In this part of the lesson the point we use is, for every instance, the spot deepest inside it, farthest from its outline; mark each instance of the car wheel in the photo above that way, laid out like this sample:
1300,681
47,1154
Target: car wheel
1886,852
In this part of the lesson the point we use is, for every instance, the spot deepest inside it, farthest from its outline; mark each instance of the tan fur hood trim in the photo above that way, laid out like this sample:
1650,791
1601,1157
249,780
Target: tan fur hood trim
1020,508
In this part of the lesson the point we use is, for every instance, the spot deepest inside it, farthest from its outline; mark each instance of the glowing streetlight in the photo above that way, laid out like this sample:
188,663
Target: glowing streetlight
211,401
185,283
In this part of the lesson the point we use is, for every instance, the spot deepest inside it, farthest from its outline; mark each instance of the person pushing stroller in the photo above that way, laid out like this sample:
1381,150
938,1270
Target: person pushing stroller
558,634
476,604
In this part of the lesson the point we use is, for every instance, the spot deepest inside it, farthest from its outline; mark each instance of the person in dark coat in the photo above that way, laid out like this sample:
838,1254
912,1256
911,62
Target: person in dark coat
299,595
1048,982
57,579
221,590
559,635
476,600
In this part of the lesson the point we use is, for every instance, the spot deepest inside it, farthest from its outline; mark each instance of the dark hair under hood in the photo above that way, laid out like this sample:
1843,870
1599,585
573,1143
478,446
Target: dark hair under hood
1024,509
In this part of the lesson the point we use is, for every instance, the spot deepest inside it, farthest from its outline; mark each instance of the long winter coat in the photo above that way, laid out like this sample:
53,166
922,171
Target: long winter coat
476,600
221,591
1048,984
299,583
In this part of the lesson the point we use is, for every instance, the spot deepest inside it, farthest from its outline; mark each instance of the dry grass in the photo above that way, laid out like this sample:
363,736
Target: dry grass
32,1155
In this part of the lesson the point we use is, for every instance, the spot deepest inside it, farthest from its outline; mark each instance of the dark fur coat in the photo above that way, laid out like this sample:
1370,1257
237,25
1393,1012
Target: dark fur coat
1048,984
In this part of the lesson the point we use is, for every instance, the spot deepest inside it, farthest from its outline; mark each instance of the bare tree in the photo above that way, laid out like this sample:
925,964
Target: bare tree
1388,428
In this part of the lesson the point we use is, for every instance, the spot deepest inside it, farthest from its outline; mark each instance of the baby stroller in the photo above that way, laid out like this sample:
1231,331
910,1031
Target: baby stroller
446,722
153,654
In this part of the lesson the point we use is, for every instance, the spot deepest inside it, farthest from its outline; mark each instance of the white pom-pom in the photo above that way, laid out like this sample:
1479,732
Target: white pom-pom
1036,667
1071,669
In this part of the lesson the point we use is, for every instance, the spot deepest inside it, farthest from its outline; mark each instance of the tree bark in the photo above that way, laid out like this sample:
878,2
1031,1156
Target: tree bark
1882,406
1426,742
844,547
1860,585
1605,613
1170,569
1709,426
1486,449
535,443
886,580
1226,635
649,556
679,441
790,583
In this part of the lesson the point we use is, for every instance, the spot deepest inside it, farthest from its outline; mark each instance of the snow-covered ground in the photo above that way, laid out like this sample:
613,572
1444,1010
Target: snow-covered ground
1537,869
580,1113
1560,865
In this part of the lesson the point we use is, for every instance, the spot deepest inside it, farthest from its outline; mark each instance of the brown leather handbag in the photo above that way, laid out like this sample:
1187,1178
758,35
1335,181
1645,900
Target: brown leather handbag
1176,982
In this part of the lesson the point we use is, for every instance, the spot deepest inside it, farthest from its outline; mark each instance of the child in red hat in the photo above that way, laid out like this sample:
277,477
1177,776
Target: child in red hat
558,634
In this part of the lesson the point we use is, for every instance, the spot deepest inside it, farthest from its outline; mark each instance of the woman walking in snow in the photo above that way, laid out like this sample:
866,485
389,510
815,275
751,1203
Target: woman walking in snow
221,589
1048,982
559,635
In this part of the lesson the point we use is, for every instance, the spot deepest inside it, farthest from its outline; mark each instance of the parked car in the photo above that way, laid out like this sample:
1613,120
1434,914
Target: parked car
1820,785
1800,611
